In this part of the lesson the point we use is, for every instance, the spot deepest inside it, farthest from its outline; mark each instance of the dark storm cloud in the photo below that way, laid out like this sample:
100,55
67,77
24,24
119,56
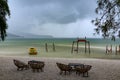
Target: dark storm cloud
59,18
57,11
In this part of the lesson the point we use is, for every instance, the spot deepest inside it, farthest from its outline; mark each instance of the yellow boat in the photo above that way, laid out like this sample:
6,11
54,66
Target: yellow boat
32,51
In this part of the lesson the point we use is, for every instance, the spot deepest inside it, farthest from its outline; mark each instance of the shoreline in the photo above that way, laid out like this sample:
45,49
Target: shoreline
4,56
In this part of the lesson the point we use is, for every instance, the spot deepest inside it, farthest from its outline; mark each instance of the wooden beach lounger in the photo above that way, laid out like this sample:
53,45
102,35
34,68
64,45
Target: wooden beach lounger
64,68
20,65
83,70
36,65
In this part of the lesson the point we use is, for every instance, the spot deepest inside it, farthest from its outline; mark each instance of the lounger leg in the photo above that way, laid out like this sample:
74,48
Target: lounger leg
40,69
69,72
83,74
33,70
18,69
26,67
60,72
21,69
37,70
79,73
65,72
86,74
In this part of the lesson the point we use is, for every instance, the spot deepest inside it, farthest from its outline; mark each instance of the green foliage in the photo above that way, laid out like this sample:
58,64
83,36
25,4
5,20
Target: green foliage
109,21
4,11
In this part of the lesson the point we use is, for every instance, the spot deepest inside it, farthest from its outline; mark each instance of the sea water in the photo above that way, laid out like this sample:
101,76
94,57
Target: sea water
41,41
64,45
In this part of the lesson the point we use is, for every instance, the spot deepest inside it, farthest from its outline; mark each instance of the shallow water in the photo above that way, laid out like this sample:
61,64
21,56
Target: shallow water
65,41
63,47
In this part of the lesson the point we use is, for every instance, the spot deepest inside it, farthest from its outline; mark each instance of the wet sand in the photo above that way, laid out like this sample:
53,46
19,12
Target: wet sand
102,69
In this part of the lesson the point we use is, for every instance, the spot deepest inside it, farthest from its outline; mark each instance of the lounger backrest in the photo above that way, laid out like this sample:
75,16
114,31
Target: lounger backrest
18,63
63,66
36,64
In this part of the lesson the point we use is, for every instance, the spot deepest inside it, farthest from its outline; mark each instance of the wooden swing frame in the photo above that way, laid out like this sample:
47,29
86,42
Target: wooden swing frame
77,48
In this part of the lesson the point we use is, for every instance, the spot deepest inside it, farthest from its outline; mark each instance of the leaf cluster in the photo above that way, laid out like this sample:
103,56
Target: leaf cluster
4,11
109,21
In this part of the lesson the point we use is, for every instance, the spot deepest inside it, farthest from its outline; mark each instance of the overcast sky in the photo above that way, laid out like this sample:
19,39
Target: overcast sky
59,18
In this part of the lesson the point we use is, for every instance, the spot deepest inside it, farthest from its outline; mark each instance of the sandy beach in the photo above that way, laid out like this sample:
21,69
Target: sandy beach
102,69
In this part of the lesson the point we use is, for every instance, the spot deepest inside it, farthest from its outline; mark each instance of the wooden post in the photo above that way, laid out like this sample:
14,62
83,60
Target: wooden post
72,47
116,50
46,47
111,49
54,47
106,48
89,46
85,37
85,47
119,49
77,46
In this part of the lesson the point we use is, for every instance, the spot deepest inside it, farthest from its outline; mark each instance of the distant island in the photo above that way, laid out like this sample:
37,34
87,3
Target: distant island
27,35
